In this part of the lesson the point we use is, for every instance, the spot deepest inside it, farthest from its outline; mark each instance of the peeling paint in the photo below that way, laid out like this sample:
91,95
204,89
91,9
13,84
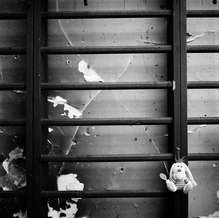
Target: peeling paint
19,91
214,165
50,130
69,212
87,133
14,166
213,215
150,42
73,143
90,75
194,130
57,100
191,37
69,110
20,214
67,182
218,195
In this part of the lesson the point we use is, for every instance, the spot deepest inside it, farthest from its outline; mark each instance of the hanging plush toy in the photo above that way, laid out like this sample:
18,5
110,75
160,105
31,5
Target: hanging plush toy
180,178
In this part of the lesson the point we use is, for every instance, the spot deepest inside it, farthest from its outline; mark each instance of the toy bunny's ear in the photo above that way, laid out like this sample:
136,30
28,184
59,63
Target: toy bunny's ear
189,174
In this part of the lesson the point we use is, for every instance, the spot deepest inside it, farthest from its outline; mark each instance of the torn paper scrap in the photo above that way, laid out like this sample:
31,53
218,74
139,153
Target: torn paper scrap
90,75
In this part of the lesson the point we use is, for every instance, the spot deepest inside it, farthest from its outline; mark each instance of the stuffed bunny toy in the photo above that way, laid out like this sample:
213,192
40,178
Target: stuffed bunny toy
180,178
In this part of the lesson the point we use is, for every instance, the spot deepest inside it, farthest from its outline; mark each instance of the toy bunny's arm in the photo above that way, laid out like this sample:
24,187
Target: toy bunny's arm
171,186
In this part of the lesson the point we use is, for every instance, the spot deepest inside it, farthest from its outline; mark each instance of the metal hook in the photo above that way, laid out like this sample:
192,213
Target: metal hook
177,154
85,3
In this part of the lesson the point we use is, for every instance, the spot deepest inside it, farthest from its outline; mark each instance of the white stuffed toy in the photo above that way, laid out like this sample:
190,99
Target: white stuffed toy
180,178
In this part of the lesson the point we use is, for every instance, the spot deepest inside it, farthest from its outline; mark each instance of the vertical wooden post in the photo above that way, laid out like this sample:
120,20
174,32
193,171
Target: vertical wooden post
29,110
39,211
183,95
180,200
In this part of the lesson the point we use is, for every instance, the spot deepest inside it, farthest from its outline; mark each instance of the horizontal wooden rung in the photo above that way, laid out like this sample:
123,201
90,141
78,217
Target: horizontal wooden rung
202,48
111,86
108,158
107,50
128,158
203,156
203,120
107,122
104,194
15,122
203,85
12,86
11,16
11,194
127,85
203,13
12,51
107,86
105,14
123,14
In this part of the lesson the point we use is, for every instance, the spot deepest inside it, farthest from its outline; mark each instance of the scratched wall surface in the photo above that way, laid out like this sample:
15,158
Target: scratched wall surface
106,140
12,106
203,103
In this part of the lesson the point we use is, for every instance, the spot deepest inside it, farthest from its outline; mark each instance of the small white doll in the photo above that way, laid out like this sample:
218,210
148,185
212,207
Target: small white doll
180,178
